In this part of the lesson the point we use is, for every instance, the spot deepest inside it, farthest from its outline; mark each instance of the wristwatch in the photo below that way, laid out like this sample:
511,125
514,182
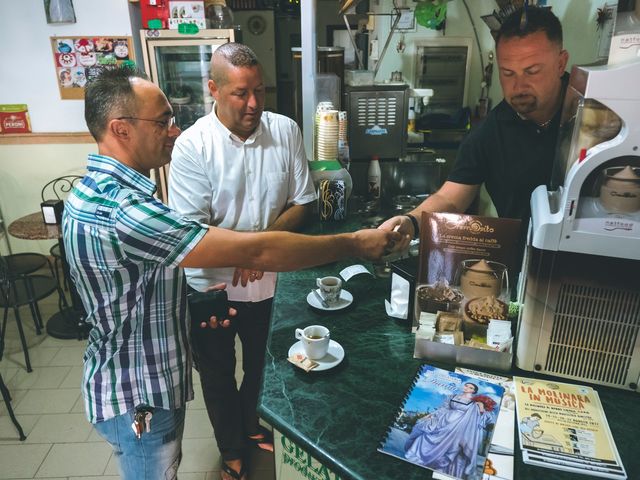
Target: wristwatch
414,222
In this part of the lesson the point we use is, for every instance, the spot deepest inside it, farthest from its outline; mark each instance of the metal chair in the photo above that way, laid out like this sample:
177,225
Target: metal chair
58,189
26,263
16,290
7,396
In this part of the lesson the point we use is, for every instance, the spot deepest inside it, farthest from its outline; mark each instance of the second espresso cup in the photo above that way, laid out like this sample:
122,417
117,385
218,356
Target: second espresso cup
315,340
330,288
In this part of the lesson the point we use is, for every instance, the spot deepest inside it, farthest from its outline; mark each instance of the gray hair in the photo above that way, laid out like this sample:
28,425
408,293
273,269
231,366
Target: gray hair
230,54
109,95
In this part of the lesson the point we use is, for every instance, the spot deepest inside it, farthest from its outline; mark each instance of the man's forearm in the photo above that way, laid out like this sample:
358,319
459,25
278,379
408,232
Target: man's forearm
434,203
293,218
452,197
284,251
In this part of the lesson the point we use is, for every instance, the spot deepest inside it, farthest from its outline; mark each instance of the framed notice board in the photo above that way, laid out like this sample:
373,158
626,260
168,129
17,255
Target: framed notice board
76,59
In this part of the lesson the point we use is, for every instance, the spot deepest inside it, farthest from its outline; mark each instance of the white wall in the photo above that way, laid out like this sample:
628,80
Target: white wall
27,69
577,18
24,170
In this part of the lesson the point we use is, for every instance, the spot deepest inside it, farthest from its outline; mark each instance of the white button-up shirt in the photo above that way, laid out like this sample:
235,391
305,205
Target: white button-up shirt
218,179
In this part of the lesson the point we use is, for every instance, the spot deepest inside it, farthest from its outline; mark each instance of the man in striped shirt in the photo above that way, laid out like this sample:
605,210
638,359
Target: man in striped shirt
124,250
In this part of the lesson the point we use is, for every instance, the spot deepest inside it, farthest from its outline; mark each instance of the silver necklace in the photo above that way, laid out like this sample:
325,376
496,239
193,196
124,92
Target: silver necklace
545,124
540,125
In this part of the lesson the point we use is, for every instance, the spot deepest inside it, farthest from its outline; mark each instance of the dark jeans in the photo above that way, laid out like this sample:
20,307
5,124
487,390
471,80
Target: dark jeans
232,411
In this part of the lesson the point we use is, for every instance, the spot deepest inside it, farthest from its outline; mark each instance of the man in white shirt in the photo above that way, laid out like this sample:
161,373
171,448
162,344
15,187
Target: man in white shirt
242,169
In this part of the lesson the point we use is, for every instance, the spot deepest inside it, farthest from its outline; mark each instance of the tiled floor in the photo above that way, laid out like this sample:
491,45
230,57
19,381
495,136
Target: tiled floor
60,443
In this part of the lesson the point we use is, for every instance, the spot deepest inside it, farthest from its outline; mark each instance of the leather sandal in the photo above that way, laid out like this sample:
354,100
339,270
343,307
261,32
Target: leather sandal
233,473
265,438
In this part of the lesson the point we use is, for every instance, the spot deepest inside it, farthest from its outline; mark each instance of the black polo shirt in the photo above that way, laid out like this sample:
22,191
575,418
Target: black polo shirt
511,156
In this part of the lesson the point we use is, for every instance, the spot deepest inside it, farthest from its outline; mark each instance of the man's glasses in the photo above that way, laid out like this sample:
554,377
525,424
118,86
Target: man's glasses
166,124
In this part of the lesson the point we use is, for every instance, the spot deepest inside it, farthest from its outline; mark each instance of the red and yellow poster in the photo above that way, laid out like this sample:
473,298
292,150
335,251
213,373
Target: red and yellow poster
563,426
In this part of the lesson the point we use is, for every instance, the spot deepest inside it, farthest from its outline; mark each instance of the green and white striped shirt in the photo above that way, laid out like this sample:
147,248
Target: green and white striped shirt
124,247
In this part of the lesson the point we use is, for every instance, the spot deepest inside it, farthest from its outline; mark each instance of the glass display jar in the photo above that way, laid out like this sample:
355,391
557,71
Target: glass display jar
218,14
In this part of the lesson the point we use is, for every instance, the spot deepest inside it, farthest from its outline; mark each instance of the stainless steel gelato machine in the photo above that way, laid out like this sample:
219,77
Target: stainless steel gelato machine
581,273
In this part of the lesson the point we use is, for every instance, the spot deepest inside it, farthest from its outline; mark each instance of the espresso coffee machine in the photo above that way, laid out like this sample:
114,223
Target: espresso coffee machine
581,273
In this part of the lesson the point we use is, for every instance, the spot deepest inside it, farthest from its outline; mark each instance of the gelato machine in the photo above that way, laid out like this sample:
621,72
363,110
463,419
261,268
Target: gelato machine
581,273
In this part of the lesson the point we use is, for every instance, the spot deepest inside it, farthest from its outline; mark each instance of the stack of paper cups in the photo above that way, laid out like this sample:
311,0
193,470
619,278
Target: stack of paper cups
320,108
327,137
343,145
342,126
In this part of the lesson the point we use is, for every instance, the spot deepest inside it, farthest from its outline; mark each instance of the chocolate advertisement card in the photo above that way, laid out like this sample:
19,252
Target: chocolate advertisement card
466,273
447,239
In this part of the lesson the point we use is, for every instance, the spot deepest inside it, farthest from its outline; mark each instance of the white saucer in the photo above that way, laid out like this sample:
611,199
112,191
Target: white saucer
334,356
344,301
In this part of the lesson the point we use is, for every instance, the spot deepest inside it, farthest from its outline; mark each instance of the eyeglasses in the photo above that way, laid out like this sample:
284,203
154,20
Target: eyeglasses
167,124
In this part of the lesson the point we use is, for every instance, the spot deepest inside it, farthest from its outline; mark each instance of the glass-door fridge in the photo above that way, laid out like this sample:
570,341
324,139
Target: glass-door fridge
179,64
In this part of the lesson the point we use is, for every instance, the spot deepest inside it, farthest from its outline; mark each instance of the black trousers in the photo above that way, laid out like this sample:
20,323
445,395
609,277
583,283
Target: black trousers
232,411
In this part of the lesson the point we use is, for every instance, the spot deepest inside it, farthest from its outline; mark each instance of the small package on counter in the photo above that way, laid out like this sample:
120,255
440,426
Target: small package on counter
499,332
14,118
449,322
451,338
300,361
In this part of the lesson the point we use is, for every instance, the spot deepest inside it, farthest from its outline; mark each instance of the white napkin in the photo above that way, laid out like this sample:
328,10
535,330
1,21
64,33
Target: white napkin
353,270
398,306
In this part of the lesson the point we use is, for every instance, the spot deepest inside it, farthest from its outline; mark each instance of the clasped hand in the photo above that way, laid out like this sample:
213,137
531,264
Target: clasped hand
213,321
402,225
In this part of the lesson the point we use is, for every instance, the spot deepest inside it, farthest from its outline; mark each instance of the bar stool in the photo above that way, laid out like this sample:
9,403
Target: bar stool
26,263
18,290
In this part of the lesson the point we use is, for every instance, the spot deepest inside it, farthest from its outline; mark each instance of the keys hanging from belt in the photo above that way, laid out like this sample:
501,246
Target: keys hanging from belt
142,420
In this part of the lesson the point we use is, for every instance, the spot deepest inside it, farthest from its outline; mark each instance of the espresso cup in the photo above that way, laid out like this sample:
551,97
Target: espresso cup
330,288
315,339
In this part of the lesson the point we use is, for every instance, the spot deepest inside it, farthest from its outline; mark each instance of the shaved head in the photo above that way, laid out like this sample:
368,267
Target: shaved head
230,54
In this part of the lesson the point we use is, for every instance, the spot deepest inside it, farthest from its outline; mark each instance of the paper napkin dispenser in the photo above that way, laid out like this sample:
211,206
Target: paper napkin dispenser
404,272
52,211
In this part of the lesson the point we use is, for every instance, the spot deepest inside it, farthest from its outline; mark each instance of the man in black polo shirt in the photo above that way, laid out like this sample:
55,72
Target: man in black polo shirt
512,151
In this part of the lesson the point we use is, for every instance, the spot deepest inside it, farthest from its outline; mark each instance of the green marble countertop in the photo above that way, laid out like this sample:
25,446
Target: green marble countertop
340,415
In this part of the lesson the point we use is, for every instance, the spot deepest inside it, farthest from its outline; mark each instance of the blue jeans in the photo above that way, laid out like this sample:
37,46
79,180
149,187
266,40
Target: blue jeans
155,455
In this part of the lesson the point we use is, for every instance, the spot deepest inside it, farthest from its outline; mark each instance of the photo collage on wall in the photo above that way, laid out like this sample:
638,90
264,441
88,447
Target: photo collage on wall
77,58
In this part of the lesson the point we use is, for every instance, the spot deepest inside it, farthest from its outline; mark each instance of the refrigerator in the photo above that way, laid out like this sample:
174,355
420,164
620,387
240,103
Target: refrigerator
179,64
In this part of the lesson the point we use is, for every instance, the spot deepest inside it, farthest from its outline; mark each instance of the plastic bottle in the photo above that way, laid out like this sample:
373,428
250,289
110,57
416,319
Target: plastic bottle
373,178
